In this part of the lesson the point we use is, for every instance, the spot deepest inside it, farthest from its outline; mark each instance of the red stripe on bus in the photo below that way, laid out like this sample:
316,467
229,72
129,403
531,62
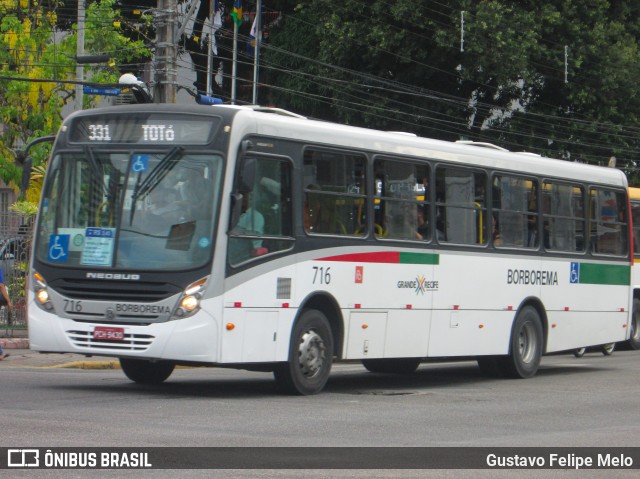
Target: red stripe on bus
377,257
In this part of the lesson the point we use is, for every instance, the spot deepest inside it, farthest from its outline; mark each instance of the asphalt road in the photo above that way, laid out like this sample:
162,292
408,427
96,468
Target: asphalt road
586,402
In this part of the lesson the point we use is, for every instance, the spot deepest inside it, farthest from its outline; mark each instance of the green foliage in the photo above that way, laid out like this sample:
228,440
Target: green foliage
402,65
25,208
30,53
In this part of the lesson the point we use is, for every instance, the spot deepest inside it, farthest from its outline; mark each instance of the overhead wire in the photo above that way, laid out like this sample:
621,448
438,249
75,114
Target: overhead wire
358,99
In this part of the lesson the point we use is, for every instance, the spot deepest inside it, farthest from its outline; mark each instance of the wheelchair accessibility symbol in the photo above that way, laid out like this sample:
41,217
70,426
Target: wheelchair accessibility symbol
58,248
140,163
574,277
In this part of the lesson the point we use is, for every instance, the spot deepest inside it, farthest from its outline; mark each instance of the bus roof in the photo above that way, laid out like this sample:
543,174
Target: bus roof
296,128
277,123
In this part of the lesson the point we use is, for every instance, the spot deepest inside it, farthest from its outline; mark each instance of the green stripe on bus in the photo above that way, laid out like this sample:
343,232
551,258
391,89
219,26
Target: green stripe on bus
419,258
592,273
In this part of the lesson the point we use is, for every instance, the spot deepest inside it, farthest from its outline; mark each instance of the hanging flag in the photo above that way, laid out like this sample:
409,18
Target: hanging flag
236,12
251,44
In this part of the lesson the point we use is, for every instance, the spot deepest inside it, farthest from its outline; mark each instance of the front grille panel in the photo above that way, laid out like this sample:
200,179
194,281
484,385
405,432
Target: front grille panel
131,342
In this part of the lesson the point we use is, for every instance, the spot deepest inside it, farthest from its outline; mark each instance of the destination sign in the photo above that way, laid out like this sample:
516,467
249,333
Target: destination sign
147,129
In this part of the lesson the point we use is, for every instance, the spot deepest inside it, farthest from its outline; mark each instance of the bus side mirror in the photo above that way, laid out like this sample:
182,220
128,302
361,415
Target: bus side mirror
236,209
247,175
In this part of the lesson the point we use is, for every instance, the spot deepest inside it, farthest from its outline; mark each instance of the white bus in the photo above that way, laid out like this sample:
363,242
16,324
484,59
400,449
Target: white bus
634,326
250,238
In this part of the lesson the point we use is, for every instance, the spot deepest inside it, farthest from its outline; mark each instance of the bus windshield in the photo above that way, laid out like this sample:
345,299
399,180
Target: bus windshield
130,210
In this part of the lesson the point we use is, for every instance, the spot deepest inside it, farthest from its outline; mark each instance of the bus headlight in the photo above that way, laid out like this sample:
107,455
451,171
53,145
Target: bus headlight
41,292
189,303
190,299
42,295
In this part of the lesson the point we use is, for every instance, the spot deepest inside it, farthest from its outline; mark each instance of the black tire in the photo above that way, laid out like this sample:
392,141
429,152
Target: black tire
392,366
146,372
310,356
578,353
525,349
634,333
608,349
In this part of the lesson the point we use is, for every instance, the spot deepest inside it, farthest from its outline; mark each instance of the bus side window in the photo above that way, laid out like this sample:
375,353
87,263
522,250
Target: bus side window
608,224
461,205
635,216
261,216
401,202
563,217
334,193
514,211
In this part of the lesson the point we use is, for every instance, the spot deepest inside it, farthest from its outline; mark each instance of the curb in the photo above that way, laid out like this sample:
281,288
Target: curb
87,365
14,343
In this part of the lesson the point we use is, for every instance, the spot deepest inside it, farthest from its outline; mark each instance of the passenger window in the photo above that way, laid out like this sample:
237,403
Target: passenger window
334,193
563,217
635,217
261,217
514,216
401,204
461,210
608,222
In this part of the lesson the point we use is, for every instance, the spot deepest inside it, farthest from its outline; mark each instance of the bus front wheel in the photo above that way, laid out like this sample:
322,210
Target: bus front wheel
146,372
526,345
310,356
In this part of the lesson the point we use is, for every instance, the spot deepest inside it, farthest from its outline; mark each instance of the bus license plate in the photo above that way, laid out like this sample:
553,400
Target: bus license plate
108,334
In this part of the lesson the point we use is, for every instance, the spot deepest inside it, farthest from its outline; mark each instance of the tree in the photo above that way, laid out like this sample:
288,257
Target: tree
32,54
490,71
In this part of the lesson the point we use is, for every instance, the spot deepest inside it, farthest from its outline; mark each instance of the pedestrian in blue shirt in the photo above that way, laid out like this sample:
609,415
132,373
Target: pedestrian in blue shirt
4,301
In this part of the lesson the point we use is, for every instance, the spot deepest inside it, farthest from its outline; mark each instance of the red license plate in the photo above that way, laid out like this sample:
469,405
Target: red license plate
108,334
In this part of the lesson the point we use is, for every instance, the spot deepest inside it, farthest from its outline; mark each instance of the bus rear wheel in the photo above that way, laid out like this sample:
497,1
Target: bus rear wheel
608,349
146,372
310,356
526,346
392,366
578,353
634,338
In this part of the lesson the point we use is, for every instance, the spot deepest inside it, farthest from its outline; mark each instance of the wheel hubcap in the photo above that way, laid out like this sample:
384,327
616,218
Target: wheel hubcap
527,343
311,354
635,330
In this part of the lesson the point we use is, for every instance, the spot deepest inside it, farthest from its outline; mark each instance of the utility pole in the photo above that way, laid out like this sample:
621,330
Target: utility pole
79,53
256,50
166,52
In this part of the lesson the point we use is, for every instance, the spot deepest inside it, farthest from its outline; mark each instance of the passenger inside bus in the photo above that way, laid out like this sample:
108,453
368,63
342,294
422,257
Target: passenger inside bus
319,212
251,220
250,223
495,235
422,231
193,192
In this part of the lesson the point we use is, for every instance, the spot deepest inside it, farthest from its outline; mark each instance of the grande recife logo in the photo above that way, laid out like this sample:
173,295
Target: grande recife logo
420,285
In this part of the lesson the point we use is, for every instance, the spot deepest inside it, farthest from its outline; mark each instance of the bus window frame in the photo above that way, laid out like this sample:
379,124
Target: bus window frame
484,210
584,187
624,235
537,213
